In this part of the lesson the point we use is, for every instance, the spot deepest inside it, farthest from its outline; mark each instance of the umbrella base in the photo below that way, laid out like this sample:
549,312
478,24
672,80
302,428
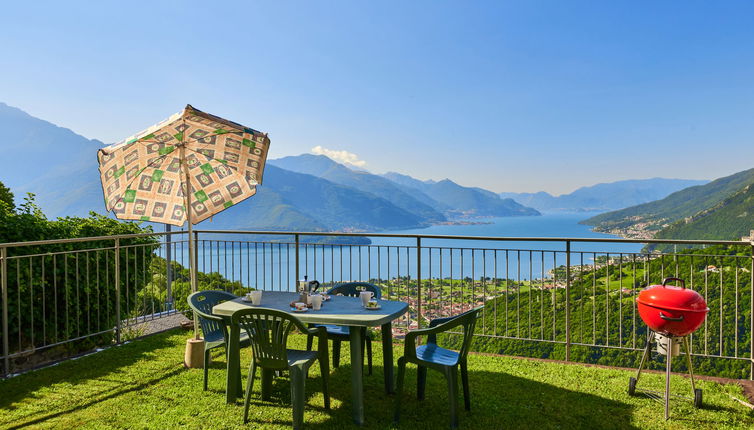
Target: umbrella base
194,357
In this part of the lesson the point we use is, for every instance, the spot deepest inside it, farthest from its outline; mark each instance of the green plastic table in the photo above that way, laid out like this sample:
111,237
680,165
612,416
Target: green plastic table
338,310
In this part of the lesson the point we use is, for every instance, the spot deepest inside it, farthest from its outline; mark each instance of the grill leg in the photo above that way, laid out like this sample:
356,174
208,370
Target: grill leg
669,360
688,360
645,357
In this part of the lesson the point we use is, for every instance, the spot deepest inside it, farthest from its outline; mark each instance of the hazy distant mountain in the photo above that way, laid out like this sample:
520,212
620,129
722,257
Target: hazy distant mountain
290,197
414,187
606,196
50,161
323,167
462,200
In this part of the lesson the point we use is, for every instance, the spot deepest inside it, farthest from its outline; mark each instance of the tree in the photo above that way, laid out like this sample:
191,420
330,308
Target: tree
6,196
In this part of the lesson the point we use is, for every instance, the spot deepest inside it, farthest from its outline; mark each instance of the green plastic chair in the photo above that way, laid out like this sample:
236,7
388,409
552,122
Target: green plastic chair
339,333
432,356
268,330
214,331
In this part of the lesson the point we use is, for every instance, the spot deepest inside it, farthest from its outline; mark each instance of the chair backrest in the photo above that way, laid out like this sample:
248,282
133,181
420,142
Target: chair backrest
202,302
268,331
354,288
467,320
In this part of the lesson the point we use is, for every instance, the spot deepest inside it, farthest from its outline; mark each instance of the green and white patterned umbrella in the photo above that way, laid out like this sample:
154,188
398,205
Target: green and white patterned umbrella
146,176
185,168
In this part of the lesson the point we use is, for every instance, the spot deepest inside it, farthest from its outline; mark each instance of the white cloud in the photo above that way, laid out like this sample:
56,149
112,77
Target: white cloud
340,156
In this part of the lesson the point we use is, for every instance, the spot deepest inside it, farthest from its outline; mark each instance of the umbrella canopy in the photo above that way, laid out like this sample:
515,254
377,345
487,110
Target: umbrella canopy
219,162
185,168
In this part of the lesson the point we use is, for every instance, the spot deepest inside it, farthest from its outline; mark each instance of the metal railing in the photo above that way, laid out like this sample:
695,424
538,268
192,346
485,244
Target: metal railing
567,298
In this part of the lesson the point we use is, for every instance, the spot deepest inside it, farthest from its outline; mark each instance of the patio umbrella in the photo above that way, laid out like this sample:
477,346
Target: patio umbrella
183,169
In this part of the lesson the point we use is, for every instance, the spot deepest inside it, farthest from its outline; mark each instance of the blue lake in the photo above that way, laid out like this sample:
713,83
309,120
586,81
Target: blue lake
556,225
272,266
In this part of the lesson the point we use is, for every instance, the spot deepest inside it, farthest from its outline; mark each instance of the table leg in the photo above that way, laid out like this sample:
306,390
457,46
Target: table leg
387,356
233,373
357,375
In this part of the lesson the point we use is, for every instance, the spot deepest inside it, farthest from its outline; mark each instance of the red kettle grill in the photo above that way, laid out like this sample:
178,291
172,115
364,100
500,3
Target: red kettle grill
671,313
671,310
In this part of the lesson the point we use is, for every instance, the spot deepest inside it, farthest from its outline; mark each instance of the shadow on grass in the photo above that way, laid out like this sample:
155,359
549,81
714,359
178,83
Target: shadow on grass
99,397
72,372
498,400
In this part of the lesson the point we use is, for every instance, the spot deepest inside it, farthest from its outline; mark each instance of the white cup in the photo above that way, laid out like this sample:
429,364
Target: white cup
365,297
256,297
316,300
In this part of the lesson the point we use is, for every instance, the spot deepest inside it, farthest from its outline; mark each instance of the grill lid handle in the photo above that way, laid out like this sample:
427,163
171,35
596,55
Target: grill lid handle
667,318
666,280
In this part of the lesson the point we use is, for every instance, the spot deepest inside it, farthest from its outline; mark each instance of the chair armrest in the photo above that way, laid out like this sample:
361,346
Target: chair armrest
208,316
317,330
439,325
410,339
437,321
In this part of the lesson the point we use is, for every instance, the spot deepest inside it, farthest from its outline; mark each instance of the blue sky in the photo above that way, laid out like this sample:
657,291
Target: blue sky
510,96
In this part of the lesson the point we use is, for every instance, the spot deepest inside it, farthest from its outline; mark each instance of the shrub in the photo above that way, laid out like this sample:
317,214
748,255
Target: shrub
65,291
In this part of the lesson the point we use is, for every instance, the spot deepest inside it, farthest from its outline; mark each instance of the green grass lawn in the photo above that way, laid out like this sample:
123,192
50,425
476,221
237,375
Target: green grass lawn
143,385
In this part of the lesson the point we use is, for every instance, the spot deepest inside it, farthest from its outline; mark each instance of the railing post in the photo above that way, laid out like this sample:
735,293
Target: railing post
4,286
419,282
117,291
298,241
568,302
751,316
169,267
196,252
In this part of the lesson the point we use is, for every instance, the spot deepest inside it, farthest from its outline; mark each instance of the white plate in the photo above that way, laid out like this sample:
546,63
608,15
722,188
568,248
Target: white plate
299,310
373,308
247,300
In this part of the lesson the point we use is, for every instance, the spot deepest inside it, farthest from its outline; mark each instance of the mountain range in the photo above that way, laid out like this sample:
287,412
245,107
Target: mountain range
435,201
315,193
605,196
325,168
462,201
304,193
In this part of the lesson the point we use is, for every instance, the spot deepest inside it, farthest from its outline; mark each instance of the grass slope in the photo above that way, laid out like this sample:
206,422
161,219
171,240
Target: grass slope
730,219
678,205
144,385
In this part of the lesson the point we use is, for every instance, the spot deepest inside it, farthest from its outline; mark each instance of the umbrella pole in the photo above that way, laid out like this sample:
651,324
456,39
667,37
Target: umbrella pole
192,242
192,257
194,356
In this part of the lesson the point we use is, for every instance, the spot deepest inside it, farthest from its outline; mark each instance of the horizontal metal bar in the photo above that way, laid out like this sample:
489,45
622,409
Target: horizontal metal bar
386,235
87,239
483,238
78,251
63,342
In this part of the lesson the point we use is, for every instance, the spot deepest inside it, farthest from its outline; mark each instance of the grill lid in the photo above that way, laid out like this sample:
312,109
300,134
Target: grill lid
672,297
